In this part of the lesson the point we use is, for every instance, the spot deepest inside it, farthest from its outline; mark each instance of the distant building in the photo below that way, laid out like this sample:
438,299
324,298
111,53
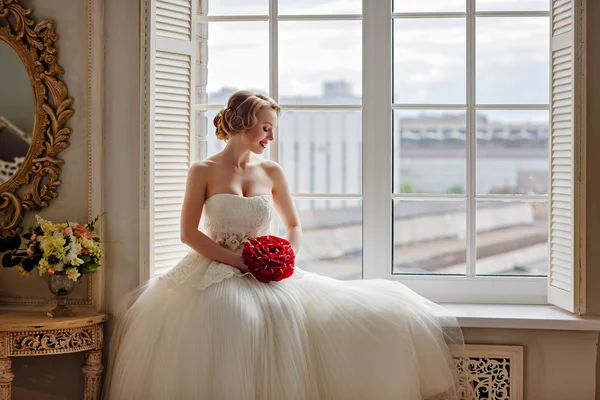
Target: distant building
321,150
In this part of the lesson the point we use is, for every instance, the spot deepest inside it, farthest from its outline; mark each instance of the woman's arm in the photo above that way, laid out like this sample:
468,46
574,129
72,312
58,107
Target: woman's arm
193,202
285,204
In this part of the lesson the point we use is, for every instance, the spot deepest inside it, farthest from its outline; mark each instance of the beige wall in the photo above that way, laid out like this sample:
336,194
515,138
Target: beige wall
122,126
71,204
59,377
593,161
558,365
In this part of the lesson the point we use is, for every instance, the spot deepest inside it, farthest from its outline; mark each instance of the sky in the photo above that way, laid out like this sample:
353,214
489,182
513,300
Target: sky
429,54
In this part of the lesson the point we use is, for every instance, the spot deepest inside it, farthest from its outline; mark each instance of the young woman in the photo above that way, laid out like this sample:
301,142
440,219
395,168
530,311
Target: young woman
210,330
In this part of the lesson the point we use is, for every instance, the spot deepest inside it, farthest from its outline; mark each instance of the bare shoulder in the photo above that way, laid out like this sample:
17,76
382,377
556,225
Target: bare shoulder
201,169
277,176
272,168
200,166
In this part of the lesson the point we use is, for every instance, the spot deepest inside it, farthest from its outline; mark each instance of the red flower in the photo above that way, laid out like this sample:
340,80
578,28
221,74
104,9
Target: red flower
269,258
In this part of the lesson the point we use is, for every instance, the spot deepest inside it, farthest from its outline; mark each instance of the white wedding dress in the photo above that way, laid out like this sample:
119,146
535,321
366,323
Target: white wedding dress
206,331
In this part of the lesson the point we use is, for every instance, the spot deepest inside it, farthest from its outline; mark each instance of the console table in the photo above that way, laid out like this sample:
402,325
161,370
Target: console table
33,333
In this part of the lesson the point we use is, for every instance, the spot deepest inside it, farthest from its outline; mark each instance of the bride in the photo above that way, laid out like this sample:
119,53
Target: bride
209,330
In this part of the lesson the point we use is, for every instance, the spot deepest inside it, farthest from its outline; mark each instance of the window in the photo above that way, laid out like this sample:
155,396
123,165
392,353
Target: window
319,138
415,134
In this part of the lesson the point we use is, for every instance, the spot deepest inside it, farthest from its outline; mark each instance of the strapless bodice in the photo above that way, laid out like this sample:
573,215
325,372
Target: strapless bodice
233,219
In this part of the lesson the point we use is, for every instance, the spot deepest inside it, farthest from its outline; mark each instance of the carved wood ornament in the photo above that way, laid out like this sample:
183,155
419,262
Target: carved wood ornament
39,176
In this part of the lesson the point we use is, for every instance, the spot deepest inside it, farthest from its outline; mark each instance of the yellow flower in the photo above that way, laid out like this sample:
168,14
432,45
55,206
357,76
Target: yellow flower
22,270
73,274
43,266
48,227
53,246
92,248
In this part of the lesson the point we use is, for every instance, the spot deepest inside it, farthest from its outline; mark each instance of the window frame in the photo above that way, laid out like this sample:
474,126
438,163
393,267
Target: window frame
378,109
445,288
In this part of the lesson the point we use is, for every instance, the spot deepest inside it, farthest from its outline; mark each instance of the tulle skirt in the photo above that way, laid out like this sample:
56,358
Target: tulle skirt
206,331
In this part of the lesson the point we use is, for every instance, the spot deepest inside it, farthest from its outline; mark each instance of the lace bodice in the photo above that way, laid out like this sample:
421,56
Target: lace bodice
234,219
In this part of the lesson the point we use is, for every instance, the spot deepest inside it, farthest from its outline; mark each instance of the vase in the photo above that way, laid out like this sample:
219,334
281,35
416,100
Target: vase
61,285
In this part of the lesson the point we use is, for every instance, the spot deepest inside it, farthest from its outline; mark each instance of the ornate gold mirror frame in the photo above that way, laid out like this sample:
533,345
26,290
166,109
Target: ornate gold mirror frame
40,172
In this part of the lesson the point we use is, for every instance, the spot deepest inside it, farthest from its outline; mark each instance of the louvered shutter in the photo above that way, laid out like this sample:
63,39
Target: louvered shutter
171,127
566,134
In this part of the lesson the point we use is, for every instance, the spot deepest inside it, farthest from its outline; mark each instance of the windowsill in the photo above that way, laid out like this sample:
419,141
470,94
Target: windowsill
511,316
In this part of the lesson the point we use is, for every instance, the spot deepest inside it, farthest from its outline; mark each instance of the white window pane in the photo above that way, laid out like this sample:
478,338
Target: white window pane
234,7
401,6
207,129
512,238
512,60
331,237
512,152
225,56
430,152
319,7
429,237
320,62
321,151
513,5
430,61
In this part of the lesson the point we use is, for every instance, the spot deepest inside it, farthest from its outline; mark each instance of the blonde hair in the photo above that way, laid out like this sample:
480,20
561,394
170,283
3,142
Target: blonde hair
241,113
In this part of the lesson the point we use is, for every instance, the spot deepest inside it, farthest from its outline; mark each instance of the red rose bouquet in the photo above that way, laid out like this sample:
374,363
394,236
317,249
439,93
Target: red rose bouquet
269,258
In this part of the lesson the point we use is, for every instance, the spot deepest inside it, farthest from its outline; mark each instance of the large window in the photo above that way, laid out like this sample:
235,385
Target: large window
307,55
468,134
415,134
470,138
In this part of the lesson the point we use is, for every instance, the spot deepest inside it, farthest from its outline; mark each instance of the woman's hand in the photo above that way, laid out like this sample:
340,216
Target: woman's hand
239,263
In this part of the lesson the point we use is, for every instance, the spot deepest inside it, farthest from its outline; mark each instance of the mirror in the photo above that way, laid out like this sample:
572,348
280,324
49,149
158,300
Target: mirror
16,112
35,108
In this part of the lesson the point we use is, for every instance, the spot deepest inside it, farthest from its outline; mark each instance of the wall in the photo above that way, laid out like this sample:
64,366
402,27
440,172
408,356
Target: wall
593,166
559,365
59,377
592,159
122,136
71,203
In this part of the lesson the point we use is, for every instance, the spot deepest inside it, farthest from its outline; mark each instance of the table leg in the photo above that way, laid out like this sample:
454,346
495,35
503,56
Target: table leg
6,377
92,375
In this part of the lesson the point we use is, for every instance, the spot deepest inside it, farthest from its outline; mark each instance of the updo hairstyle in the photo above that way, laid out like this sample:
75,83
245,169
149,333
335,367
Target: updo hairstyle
241,113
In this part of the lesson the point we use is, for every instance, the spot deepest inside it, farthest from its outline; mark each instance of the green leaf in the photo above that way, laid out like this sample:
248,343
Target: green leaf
29,264
13,242
53,260
8,261
86,258
89,268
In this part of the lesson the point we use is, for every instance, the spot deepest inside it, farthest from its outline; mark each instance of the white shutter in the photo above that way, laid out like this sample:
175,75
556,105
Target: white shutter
566,135
171,127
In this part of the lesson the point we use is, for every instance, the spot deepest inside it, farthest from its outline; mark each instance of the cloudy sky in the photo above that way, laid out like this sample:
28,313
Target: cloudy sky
429,54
